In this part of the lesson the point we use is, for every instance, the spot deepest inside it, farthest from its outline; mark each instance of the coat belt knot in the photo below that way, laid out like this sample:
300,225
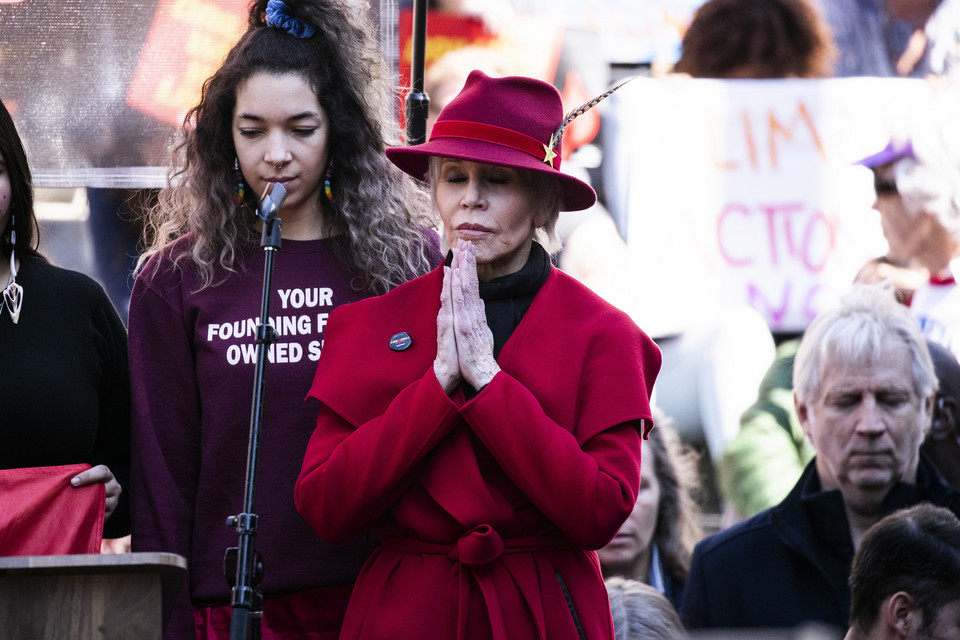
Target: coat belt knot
480,545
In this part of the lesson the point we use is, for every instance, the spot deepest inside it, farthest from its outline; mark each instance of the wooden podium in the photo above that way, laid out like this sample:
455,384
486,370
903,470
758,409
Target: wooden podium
87,597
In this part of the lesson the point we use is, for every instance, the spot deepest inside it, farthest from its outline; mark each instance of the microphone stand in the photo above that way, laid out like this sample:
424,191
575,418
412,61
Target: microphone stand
418,102
243,565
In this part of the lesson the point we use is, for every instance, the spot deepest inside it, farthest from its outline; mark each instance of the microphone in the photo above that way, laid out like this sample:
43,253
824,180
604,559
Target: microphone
272,200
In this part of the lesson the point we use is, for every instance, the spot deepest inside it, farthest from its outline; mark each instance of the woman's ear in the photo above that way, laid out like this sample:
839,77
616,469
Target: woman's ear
540,218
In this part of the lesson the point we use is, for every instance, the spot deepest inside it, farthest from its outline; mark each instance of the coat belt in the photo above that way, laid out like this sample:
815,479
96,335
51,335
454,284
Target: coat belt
477,547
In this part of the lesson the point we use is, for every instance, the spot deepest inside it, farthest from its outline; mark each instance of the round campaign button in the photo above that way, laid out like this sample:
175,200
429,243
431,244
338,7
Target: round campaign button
400,341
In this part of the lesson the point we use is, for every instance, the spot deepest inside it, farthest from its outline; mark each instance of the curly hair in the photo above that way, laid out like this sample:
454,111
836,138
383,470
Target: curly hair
678,514
21,191
757,39
379,210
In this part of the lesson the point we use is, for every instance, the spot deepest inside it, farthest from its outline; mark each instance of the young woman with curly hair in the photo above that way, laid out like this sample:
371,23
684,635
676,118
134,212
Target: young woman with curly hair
301,100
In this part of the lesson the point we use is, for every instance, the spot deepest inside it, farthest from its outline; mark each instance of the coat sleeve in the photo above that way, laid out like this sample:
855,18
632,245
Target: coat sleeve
165,447
352,475
586,490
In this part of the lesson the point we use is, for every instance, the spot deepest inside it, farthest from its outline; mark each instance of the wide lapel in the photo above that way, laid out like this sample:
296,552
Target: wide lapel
452,474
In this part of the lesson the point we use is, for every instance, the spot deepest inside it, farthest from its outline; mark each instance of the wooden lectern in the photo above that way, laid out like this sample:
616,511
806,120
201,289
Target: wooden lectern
87,597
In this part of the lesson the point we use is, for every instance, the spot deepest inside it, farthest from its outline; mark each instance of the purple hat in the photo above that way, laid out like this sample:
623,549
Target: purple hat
895,150
513,122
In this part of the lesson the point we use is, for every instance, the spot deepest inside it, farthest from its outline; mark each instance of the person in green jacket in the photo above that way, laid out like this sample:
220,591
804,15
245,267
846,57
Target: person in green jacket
763,461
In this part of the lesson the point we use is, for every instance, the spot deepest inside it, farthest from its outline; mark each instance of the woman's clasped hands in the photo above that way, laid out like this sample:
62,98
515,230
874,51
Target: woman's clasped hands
464,341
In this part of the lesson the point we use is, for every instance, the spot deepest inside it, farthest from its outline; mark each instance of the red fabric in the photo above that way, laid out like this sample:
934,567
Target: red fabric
44,515
485,505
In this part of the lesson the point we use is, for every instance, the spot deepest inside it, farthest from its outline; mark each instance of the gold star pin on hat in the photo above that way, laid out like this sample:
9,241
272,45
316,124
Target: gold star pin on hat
548,153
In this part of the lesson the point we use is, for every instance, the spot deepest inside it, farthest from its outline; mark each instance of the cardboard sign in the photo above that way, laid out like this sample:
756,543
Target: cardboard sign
743,191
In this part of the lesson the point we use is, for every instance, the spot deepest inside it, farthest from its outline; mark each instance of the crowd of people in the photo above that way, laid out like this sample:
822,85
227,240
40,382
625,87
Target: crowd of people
460,439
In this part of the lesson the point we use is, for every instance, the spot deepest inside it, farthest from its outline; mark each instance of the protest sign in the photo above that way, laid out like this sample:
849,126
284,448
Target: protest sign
746,191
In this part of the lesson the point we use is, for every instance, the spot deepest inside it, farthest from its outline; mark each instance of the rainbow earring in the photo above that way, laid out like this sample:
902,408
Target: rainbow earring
236,168
327,189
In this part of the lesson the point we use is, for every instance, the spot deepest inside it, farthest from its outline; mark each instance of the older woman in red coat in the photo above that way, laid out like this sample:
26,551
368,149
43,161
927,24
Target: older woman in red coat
484,420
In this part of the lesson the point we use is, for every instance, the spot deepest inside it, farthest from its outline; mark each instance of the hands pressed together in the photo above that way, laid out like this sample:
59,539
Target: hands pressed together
464,341
100,473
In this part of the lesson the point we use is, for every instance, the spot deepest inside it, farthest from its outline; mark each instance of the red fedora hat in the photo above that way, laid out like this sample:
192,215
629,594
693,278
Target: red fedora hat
507,121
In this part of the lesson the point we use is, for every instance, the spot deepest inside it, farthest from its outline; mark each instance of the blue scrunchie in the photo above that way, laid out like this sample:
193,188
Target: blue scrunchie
278,16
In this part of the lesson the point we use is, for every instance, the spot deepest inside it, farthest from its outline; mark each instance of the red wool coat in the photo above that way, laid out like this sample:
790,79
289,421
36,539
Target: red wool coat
487,508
